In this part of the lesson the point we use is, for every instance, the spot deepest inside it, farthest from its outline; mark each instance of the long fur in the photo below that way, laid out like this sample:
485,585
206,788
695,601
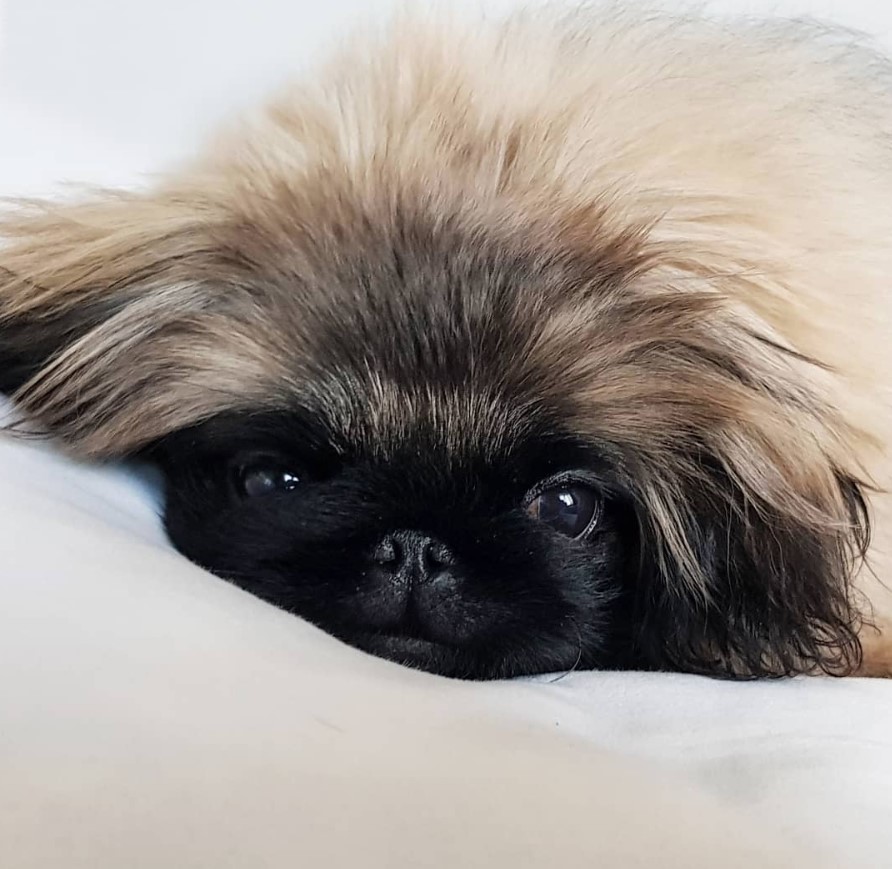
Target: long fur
693,221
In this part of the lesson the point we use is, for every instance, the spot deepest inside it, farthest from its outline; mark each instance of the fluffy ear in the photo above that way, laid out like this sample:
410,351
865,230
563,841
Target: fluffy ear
756,579
114,325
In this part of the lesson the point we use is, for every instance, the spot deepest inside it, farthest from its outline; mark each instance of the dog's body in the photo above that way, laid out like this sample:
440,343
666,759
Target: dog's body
633,265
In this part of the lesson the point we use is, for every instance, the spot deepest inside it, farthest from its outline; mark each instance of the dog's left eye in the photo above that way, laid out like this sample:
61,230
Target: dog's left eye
569,508
265,478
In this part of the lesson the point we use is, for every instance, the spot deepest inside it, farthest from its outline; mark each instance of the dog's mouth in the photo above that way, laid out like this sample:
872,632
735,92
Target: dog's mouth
408,650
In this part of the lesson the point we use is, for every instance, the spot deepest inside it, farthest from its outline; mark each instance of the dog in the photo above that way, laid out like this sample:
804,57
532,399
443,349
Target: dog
506,346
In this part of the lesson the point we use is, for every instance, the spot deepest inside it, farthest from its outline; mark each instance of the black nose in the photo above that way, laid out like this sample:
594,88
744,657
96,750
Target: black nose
413,555
414,589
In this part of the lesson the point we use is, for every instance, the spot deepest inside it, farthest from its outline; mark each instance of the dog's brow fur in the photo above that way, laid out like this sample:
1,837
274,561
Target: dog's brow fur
665,229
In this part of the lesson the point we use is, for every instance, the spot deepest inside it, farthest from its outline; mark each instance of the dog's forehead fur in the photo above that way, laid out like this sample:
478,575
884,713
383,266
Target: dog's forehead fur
398,313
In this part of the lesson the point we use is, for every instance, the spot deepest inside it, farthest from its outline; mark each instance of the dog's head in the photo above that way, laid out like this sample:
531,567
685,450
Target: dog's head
411,384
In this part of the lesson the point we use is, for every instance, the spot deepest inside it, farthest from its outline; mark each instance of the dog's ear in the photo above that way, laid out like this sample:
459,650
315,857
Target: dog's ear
67,268
115,321
753,585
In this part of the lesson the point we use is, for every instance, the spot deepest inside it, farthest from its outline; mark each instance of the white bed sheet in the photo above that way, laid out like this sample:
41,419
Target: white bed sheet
153,716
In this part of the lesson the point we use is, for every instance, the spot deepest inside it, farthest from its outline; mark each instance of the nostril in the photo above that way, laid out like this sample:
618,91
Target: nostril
438,555
387,552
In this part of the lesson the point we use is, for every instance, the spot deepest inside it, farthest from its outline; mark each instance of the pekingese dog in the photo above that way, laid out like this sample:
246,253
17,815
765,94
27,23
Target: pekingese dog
510,346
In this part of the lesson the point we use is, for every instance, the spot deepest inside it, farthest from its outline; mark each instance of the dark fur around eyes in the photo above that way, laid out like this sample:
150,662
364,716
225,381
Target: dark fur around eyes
439,280
542,602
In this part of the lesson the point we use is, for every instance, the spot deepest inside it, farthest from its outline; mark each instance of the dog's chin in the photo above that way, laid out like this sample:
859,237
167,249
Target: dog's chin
414,652
462,662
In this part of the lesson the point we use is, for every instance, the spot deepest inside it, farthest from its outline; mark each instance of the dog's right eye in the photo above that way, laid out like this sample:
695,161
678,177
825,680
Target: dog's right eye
261,478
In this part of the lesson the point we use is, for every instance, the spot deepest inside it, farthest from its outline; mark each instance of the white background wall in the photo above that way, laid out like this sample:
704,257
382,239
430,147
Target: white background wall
96,90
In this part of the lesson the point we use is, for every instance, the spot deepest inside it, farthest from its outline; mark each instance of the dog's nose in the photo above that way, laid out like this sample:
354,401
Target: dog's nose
415,588
413,556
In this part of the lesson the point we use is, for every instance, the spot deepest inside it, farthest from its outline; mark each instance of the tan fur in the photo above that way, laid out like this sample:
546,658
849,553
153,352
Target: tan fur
719,179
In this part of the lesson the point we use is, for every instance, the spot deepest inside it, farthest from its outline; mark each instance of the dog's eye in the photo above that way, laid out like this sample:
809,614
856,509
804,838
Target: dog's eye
569,508
264,478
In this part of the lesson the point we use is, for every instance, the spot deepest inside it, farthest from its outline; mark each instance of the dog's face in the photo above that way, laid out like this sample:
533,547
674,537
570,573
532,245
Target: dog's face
473,559
421,493
454,406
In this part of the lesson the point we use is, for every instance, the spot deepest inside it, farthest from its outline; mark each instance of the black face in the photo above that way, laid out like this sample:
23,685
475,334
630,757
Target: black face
461,565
